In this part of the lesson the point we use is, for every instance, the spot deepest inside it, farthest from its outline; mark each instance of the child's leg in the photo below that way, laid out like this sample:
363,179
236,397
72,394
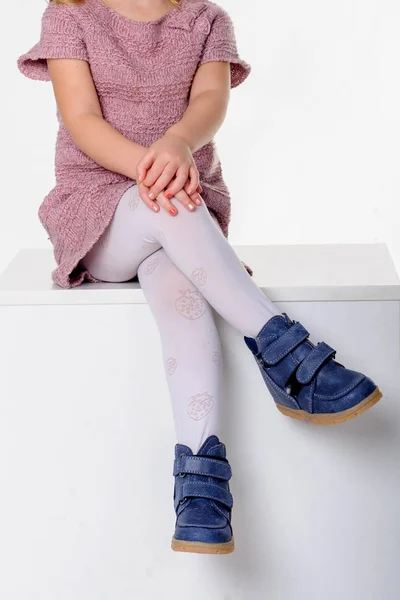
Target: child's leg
196,245
191,350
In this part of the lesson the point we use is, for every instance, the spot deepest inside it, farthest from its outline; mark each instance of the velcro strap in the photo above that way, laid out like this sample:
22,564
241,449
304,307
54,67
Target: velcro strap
294,336
199,489
200,465
313,362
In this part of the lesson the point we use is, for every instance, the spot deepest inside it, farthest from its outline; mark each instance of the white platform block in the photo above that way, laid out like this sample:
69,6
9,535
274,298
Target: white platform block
87,440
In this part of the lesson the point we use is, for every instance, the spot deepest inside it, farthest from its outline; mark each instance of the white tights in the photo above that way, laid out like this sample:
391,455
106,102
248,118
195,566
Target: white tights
185,266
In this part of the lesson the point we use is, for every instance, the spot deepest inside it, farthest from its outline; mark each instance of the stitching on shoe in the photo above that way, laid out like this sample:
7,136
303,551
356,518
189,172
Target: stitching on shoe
207,459
304,364
295,361
199,495
311,395
342,392
212,461
220,511
212,485
287,350
189,472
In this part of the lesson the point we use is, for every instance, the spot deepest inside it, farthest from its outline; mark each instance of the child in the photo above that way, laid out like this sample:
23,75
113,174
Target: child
141,89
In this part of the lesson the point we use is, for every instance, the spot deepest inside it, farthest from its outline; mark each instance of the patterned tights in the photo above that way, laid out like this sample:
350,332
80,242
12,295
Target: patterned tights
186,267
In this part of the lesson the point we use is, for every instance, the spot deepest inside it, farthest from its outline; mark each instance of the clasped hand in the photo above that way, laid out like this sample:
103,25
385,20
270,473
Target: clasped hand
168,169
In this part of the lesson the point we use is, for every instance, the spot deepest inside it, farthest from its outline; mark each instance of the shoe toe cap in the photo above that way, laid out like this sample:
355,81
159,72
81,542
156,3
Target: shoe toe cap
348,400
206,535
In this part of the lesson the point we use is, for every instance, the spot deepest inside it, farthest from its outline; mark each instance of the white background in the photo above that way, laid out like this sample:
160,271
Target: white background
310,152
310,147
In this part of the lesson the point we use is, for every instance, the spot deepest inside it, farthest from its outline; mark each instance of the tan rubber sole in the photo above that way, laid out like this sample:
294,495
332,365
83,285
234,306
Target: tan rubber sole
201,547
335,418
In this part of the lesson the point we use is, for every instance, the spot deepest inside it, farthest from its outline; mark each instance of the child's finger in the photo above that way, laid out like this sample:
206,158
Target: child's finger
164,179
141,174
195,196
144,195
167,204
155,171
178,183
143,165
194,179
186,200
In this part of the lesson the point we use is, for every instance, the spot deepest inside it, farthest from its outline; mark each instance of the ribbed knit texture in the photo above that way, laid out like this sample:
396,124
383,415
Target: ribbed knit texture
143,72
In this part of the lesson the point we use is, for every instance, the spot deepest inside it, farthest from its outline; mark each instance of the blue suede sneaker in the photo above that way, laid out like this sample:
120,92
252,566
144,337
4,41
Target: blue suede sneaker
304,380
202,499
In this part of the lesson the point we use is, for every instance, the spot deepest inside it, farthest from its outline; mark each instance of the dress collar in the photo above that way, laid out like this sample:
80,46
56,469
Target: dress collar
179,17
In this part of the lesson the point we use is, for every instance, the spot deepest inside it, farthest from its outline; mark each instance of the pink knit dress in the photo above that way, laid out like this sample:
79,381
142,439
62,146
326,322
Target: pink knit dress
143,73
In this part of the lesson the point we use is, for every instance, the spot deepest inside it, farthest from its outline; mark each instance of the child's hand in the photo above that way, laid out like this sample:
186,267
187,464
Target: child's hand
169,163
166,203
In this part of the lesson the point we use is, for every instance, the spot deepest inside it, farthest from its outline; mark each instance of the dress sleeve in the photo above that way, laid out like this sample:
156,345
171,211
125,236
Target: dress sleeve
221,45
61,37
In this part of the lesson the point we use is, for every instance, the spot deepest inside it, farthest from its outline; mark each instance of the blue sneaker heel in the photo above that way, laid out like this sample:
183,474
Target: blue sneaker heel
203,502
304,380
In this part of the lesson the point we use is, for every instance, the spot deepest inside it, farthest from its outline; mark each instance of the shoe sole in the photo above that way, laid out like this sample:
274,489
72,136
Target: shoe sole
202,547
333,418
